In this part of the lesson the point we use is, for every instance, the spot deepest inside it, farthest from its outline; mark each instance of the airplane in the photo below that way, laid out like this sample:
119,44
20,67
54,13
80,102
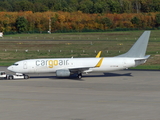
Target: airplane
64,67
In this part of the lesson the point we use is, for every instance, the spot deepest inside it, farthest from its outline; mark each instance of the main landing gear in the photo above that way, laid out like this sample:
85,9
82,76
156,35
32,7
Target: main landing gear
79,75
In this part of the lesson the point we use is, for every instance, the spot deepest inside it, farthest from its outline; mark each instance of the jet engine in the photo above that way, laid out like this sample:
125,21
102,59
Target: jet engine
63,73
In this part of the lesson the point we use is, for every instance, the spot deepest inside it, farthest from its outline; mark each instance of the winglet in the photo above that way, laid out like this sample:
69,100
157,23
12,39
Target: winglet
99,63
99,54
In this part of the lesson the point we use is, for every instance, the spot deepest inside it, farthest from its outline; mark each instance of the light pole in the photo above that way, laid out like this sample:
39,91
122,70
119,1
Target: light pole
49,26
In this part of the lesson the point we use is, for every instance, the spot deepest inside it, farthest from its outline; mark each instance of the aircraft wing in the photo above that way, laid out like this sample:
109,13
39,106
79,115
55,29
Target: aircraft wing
78,69
84,68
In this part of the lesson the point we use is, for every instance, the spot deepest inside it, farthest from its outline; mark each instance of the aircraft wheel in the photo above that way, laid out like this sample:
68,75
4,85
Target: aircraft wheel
80,75
10,77
26,77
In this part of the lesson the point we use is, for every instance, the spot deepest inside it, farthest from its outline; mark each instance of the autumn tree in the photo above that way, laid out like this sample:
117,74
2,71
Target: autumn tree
106,22
135,21
29,21
21,24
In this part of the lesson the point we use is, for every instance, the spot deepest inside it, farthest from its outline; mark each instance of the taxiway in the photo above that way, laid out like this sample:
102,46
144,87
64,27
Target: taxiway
120,95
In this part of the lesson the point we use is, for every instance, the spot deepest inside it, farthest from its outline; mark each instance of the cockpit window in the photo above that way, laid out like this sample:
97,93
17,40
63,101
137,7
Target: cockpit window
15,64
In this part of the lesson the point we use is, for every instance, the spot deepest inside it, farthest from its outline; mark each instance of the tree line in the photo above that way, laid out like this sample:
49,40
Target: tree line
75,21
86,6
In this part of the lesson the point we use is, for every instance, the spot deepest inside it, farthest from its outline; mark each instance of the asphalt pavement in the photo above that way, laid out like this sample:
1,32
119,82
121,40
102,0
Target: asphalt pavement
119,95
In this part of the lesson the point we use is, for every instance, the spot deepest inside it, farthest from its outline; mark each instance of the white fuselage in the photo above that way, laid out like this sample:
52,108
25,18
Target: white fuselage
52,65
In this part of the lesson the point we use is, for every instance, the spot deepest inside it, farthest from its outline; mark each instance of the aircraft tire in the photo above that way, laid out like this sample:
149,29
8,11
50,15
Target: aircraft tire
26,77
10,77
79,75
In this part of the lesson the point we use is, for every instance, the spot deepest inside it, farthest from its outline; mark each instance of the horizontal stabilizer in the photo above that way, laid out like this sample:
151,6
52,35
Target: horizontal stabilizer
140,61
144,58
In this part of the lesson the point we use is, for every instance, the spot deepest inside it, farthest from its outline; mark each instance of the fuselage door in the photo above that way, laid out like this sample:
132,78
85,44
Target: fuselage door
25,65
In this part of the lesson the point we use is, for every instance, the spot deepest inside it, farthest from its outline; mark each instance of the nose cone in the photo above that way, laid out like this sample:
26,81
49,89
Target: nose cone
10,68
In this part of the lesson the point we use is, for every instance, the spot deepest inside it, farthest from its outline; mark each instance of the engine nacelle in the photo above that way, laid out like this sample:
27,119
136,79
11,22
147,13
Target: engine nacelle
63,73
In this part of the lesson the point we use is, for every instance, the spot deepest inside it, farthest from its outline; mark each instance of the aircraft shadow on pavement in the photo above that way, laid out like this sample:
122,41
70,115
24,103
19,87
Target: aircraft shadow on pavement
51,77
110,75
73,77
54,77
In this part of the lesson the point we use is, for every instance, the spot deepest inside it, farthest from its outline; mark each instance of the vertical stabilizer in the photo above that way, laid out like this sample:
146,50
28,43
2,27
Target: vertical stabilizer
138,50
